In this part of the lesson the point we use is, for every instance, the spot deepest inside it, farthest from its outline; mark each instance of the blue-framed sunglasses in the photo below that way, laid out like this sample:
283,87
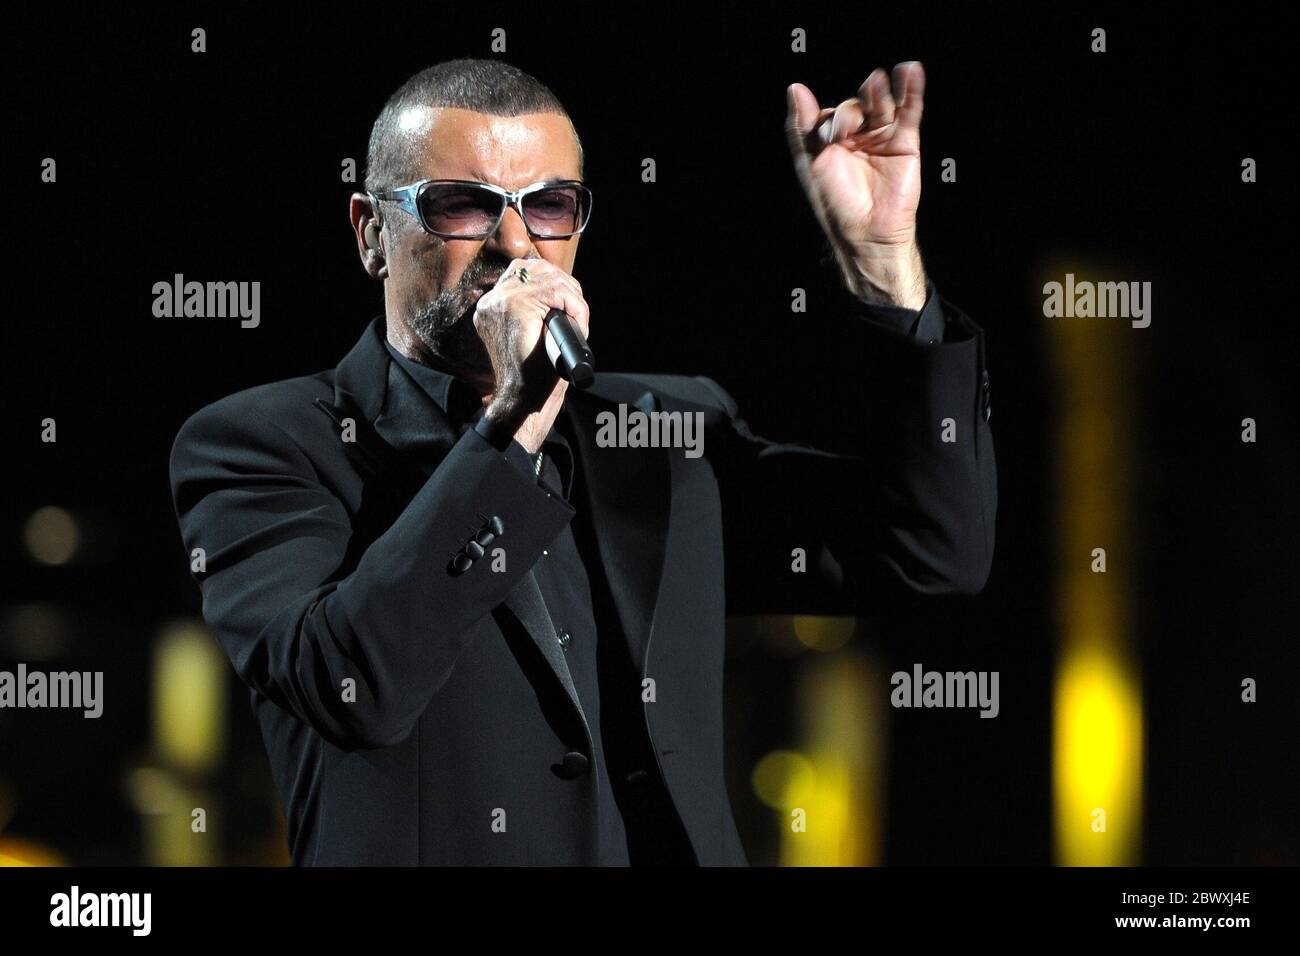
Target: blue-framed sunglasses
465,209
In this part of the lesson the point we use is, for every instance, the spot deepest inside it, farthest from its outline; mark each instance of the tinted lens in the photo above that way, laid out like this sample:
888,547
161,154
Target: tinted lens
557,210
457,209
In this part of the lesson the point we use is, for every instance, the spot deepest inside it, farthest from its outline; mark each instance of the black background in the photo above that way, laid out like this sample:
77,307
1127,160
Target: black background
226,166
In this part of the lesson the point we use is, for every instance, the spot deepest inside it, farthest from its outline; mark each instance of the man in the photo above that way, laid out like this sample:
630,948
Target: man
474,630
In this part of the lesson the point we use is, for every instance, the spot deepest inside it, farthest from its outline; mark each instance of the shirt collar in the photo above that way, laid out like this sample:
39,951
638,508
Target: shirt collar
439,386
461,403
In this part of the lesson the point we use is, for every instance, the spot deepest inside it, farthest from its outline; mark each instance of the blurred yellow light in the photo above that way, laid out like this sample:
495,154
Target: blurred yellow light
781,776
827,814
1098,765
1097,707
167,805
51,535
16,852
189,698
823,633
826,796
152,790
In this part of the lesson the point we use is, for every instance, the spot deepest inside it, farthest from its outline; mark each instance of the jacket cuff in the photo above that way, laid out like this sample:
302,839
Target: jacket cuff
496,434
518,456
925,323
933,323
500,438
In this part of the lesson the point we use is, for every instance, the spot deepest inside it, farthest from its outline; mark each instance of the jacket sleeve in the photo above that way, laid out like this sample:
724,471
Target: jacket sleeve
355,647
908,504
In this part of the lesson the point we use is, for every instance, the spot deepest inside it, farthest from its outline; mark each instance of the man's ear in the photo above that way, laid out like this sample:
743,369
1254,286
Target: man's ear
368,230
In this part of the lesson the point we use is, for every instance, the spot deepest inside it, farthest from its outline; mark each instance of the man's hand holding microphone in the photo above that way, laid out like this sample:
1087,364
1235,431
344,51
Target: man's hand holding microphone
510,318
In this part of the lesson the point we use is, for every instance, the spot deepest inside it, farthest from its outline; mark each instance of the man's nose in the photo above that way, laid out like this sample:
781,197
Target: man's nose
511,238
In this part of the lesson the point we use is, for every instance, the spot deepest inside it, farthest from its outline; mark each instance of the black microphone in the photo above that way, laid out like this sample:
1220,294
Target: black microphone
568,350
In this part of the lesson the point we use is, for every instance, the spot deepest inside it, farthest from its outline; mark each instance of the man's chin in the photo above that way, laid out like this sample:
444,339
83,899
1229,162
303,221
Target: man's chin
461,356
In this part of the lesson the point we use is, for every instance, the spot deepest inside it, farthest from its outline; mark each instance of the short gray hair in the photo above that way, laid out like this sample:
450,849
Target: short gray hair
484,86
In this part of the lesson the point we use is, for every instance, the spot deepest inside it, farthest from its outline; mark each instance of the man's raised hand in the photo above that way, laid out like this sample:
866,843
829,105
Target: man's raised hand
860,165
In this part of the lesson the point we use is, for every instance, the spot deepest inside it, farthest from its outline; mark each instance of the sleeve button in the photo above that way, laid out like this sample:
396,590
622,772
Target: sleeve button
572,765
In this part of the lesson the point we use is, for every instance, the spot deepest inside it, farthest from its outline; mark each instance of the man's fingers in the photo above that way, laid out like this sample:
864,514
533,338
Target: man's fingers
821,134
575,305
552,287
564,293
909,87
876,101
847,119
881,101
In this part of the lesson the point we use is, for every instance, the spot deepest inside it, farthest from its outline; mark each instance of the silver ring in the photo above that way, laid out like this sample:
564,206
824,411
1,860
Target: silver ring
522,273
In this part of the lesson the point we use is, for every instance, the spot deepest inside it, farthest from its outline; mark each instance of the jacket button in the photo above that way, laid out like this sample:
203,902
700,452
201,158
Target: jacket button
461,563
572,765
638,788
473,549
484,538
563,637
495,525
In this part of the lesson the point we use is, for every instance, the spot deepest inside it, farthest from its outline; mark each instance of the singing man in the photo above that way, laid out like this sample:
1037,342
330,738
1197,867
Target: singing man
474,634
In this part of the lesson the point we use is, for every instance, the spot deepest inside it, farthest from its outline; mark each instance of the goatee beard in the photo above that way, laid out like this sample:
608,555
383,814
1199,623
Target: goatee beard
446,328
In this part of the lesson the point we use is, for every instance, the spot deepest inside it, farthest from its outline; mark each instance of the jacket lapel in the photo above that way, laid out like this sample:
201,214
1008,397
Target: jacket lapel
629,495
400,437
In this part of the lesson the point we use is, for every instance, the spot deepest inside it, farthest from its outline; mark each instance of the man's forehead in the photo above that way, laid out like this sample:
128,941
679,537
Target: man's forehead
452,143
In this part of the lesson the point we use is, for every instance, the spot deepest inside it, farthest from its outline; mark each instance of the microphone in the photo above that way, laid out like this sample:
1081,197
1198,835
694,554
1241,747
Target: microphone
567,349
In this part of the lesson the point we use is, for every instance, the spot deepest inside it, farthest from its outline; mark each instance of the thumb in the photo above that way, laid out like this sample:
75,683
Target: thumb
801,110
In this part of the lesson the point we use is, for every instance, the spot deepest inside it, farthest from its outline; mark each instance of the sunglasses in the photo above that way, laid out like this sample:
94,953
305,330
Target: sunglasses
464,209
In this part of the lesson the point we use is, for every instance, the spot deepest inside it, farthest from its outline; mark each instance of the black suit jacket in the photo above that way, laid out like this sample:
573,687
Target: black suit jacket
417,715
